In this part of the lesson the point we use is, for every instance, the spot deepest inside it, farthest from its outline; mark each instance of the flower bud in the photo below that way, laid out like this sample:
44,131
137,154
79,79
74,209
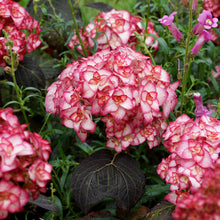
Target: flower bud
7,60
9,43
7,69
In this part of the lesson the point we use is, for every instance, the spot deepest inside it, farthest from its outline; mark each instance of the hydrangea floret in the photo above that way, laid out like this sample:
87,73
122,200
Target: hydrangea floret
114,29
24,171
132,96
168,21
13,20
194,147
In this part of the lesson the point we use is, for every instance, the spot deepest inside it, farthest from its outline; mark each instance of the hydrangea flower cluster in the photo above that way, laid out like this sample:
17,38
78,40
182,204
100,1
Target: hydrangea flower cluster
114,29
23,166
132,96
14,19
195,147
205,202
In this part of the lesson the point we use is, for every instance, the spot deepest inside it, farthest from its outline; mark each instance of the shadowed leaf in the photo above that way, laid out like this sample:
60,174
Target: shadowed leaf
43,202
103,174
29,74
47,64
162,211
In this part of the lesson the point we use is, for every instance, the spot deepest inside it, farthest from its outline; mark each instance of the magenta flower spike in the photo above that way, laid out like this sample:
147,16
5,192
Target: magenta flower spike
194,5
203,36
168,21
200,109
205,21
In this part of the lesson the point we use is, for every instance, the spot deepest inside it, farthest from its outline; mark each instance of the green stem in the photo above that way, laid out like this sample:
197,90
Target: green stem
186,59
54,10
45,122
150,54
77,29
147,51
17,90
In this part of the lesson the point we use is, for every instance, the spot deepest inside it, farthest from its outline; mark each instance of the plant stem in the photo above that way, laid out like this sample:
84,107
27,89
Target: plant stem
45,122
186,59
147,51
54,10
77,29
150,54
17,89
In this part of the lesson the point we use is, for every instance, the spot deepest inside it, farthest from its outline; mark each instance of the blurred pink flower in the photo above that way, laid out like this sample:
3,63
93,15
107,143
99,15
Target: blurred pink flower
217,72
205,202
23,168
12,198
168,21
203,37
205,21
200,109
194,5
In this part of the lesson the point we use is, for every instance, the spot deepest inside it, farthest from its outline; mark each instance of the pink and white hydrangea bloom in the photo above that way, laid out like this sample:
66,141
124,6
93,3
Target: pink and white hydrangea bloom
194,147
114,29
132,96
12,198
14,20
24,171
205,202
168,21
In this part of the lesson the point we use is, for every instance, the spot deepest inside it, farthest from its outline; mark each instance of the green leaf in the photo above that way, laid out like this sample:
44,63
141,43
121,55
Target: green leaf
215,83
43,202
46,63
162,43
10,103
71,34
85,147
103,174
